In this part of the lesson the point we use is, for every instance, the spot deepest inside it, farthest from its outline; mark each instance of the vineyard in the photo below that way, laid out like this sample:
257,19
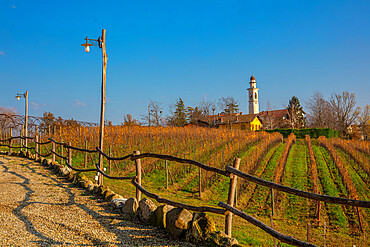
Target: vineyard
332,167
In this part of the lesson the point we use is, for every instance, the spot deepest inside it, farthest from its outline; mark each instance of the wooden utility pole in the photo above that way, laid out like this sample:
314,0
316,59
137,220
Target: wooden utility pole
102,111
26,118
231,197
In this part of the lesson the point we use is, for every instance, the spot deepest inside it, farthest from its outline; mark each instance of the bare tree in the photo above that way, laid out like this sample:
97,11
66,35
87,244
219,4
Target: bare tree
269,119
6,117
154,116
344,109
229,105
319,113
364,121
207,107
128,120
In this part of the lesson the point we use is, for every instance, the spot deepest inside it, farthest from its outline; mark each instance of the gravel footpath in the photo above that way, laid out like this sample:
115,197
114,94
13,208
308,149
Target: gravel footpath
39,209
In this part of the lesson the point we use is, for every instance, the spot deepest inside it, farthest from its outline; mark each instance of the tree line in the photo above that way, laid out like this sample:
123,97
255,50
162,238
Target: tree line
181,115
339,112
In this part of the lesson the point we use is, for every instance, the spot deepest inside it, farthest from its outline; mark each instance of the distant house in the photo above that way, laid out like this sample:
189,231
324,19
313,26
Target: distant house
234,121
274,119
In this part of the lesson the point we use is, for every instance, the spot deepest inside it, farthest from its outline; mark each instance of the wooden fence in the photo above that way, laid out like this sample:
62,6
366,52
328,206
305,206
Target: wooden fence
232,172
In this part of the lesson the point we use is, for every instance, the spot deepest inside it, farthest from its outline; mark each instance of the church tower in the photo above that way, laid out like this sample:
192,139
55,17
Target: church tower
253,96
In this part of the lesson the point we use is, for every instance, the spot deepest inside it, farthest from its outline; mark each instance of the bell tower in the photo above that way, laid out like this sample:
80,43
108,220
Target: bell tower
253,96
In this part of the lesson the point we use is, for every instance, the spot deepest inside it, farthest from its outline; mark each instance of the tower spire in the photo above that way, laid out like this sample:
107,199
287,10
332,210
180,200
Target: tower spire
253,96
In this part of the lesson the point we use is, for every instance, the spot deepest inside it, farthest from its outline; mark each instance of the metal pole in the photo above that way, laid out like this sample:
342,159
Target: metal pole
102,112
26,117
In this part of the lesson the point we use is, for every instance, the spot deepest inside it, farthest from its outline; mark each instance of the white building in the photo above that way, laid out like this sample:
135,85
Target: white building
253,96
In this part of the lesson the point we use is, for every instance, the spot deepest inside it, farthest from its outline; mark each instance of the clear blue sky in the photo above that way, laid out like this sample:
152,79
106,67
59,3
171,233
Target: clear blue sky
162,50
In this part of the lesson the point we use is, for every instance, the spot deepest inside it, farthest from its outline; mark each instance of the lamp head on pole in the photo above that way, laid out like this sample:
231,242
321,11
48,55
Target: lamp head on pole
87,45
18,97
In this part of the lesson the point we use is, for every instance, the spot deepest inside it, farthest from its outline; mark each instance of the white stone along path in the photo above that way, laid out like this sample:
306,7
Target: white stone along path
39,209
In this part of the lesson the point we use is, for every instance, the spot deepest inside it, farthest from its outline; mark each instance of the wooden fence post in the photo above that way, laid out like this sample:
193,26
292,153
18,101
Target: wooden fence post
138,175
318,209
53,148
272,226
200,182
61,151
230,199
10,141
21,140
167,174
272,202
37,146
85,159
308,232
325,234
69,154
110,161
40,146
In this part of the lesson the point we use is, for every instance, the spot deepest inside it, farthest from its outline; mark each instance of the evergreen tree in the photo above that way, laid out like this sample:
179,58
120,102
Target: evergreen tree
178,117
295,113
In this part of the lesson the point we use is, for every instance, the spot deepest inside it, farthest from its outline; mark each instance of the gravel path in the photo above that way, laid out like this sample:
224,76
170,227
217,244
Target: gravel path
39,209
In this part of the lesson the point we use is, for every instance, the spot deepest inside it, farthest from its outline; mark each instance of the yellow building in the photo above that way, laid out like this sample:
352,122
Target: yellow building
235,121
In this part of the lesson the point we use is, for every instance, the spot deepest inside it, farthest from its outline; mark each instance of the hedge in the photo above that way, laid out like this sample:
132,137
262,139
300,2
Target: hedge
301,133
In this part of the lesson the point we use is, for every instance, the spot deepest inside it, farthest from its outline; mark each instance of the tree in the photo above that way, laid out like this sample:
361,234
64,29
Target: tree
207,107
364,121
319,112
128,120
154,116
178,117
194,114
269,120
47,122
229,105
344,110
7,118
295,113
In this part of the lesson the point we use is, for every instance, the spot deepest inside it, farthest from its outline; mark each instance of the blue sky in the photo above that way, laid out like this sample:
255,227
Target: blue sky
163,50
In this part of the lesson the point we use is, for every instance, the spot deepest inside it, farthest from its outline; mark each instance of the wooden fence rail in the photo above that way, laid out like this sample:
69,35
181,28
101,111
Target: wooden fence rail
225,209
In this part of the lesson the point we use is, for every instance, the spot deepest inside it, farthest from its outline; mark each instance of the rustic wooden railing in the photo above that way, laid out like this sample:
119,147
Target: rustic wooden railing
232,172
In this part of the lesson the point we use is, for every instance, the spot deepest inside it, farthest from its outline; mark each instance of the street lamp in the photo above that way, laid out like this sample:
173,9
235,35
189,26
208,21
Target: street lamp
100,42
19,96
